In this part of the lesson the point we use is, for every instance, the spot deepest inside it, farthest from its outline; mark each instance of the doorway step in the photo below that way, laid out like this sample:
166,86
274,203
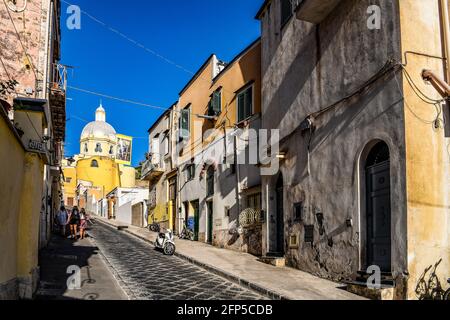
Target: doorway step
359,286
275,259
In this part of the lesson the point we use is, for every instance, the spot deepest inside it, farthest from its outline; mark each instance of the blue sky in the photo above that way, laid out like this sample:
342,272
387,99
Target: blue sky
185,32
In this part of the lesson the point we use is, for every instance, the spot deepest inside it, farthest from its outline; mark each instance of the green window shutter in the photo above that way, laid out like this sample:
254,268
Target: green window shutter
248,102
210,108
217,102
241,107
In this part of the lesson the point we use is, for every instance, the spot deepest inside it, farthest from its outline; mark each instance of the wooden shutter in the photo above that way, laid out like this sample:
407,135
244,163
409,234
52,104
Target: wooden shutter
217,103
248,102
241,107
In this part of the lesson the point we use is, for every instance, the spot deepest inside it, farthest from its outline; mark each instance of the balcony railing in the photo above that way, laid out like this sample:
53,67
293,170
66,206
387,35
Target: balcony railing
151,171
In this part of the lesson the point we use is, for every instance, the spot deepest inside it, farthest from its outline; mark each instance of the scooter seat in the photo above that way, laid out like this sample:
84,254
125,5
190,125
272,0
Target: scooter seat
162,235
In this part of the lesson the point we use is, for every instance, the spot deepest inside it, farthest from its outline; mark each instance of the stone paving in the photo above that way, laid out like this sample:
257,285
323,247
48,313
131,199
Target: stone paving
147,274
97,281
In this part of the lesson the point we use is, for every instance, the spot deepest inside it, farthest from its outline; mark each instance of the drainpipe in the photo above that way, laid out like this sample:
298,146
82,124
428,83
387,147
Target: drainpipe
238,178
446,33
438,83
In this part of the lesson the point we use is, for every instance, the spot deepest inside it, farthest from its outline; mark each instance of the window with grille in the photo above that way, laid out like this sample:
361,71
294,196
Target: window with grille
98,148
190,172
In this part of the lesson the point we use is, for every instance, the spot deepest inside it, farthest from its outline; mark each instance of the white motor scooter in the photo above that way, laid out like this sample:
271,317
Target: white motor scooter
165,242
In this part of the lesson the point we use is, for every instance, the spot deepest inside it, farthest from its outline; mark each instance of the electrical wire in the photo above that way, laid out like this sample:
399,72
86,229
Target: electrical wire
117,98
425,121
136,43
141,46
417,90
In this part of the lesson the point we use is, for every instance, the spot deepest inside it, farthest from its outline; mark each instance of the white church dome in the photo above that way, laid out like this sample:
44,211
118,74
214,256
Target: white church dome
99,128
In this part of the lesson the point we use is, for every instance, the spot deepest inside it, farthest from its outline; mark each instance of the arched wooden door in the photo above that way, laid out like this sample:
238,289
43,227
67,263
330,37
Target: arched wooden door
378,195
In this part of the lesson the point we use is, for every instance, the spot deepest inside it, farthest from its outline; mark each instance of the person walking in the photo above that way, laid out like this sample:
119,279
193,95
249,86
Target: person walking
62,218
83,223
74,220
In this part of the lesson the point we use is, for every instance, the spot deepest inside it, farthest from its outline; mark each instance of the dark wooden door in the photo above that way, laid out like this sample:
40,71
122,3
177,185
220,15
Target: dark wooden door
173,203
196,206
209,229
280,216
379,216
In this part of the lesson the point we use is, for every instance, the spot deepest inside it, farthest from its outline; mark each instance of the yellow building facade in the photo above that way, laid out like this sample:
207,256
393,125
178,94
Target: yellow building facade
92,174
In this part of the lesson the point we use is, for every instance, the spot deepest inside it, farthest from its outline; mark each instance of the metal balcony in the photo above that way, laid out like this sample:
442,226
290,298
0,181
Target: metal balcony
150,171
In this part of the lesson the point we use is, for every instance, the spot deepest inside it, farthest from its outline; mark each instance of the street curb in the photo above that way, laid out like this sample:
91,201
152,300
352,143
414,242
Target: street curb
271,294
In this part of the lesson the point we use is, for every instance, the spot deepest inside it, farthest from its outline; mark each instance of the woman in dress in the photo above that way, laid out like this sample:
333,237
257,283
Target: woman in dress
74,220
83,223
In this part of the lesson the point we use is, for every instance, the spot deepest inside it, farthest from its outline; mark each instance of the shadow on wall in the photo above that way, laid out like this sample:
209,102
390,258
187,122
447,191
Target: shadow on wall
429,286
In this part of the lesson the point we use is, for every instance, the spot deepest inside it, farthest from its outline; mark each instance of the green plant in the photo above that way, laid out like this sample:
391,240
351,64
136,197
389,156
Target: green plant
7,87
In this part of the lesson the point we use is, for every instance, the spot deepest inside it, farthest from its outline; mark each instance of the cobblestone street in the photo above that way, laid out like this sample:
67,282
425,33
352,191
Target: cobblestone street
147,274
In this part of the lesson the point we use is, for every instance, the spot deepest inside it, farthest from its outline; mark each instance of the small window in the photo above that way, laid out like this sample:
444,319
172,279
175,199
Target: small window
86,149
286,11
68,180
190,172
245,103
215,104
98,148
298,211
166,144
227,211
111,150
254,201
185,123
210,181
94,164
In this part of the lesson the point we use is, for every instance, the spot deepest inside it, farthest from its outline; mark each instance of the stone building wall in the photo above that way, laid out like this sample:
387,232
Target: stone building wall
306,68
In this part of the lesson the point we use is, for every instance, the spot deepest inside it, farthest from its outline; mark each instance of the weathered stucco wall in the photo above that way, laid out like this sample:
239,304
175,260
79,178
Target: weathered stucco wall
306,68
11,177
30,25
427,157
28,220
226,201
